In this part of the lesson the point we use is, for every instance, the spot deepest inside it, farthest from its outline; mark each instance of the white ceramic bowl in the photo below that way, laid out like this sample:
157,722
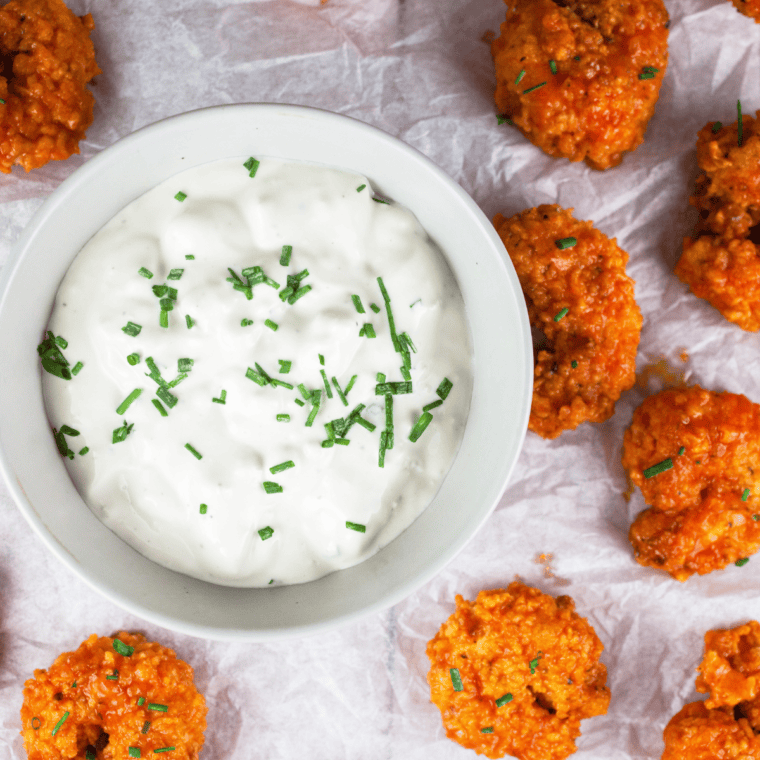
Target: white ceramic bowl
495,430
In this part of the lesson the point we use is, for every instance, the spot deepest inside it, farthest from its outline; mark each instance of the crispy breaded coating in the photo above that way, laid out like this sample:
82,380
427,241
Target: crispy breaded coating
45,106
529,671
580,78
581,299
694,454
722,727
749,8
721,261
103,699
696,733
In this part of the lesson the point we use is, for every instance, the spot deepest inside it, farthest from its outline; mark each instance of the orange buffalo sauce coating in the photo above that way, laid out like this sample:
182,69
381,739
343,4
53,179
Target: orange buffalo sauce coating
97,701
589,357
749,8
47,106
722,727
529,669
705,507
721,261
609,57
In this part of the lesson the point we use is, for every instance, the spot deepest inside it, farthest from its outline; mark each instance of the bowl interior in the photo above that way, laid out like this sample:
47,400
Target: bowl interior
502,359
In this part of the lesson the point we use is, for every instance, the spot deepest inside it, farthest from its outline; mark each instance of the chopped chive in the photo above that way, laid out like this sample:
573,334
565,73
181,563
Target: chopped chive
533,664
350,384
341,395
389,312
60,723
246,322
396,389
681,451
444,388
503,700
648,72
326,382
574,364
316,400
146,727
380,200
159,291
282,467
299,294
133,359
163,749
717,126
36,725
560,314
487,730
163,318
180,196
520,76
271,325
568,242
740,126
456,679
360,188
83,451
203,509
175,274
123,649
272,487
185,365
140,701
535,87
299,402
113,677
167,304
67,430
222,398
157,707
134,751
367,331
656,469
160,407
502,119
121,433
358,527
432,405
89,755
189,321
251,374
252,165
131,329
420,426
342,441
375,308
756,517
266,533
124,405
745,494
328,444
189,257
287,250
553,66
380,377
145,273
194,451
283,418
285,366
741,562
358,304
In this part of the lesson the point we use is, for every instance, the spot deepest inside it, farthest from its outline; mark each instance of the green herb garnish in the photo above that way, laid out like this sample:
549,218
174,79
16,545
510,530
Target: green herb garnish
163,749
180,196
287,250
131,329
648,72
717,126
456,679
175,274
189,321
681,451
222,398
133,359
564,243
560,314
553,66
123,649
271,325
189,257
444,388
134,751
360,188
124,405
740,126
145,273
194,451
420,426
160,407
281,467
157,707
358,527
535,87
252,165
656,469
745,494
60,723
503,700
520,76
358,304
487,730
283,418
113,677
533,664
76,369
741,562
121,433
203,509
266,533
367,331
146,727
83,451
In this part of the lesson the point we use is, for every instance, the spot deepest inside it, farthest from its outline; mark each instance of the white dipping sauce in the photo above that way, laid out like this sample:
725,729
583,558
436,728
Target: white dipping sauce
149,487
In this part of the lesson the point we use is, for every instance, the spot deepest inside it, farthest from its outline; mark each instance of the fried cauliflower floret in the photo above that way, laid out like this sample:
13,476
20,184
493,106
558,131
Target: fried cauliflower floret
515,672
110,695
721,261
581,299
45,106
696,733
580,78
694,454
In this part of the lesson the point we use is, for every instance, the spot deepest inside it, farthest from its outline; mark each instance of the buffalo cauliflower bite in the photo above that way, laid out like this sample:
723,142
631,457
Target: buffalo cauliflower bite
515,672
580,78
720,262
113,699
694,454
581,299
45,106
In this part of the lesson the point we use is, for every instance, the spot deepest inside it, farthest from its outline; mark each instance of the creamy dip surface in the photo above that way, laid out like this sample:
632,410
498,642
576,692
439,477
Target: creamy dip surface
244,371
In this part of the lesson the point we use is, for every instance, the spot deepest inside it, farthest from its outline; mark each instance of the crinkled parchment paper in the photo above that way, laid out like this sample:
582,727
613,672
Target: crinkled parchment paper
420,70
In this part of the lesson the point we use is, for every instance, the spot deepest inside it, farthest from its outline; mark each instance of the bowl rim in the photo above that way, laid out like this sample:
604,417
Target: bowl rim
177,125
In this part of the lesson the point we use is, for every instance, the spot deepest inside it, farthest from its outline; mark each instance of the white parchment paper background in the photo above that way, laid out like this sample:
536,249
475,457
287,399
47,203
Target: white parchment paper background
420,70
